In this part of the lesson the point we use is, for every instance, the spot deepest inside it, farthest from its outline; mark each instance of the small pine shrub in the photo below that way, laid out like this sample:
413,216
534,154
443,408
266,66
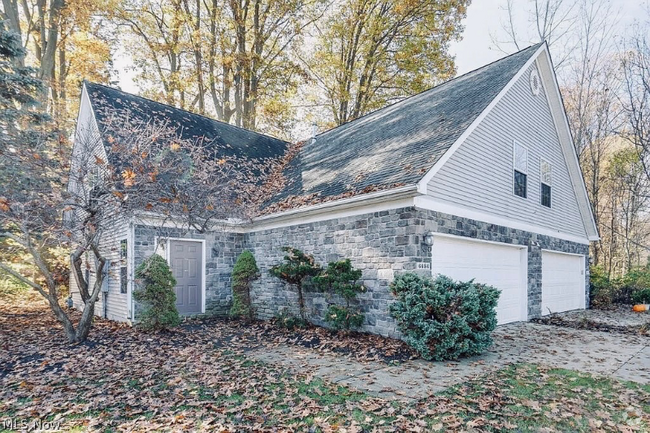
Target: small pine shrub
286,320
244,273
342,279
641,296
443,319
341,317
297,270
156,292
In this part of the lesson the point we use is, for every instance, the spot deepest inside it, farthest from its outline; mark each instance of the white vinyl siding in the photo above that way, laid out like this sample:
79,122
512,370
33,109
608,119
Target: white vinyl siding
114,230
479,175
116,302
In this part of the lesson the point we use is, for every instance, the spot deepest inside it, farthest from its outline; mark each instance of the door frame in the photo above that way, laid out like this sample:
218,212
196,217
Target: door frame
584,275
523,262
167,256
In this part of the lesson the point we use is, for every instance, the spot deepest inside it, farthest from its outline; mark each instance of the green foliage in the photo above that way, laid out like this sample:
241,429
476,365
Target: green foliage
298,270
605,291
156,292
342,279
444,319
641,296
243,273
341,317
600,287
288,321
371,52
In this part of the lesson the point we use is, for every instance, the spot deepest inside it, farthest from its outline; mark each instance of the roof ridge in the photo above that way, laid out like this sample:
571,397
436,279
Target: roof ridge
537,45
184,110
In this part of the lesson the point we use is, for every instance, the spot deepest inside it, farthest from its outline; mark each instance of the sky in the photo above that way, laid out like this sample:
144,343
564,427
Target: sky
484,22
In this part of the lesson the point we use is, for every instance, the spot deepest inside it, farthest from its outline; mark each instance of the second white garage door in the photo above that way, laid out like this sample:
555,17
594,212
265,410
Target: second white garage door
500,265
563,282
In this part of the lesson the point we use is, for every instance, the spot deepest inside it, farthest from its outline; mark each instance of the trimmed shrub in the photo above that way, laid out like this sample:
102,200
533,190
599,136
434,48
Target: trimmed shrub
298,270
244,273
286,320
341,317
443,319
341,278
641,296
156,291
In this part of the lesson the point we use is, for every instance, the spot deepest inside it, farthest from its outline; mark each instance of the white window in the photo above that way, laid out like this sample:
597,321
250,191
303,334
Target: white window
521,158
545,174
520,172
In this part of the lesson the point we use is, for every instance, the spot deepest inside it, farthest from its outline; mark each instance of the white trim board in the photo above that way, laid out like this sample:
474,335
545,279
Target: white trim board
546,250
468,239
130,263
429,203
359,209
423,183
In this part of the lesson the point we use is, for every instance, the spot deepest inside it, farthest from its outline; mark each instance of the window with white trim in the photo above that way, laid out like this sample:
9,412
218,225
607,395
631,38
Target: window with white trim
546,182
124,280
520,163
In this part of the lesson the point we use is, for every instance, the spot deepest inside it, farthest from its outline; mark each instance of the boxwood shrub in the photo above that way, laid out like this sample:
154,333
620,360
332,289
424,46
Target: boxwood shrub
443,319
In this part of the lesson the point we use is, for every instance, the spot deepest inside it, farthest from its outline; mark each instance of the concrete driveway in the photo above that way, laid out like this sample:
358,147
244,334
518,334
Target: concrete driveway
615,355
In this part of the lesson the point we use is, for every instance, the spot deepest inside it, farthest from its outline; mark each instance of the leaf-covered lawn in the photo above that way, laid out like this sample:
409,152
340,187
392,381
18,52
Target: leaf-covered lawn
199,378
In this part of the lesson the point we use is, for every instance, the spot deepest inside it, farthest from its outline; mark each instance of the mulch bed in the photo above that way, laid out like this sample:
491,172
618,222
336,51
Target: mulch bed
592,325
357,345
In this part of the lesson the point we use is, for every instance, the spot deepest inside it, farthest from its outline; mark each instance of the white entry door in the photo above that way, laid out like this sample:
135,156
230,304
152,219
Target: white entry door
500,265
563,282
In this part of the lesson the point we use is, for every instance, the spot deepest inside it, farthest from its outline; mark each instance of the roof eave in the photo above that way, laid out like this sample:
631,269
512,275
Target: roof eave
406,191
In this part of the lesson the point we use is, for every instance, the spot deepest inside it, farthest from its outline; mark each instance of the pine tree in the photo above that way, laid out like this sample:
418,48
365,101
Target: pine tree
243,273
157,294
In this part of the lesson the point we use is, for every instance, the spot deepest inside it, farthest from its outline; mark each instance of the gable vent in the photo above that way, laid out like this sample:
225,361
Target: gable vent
535,82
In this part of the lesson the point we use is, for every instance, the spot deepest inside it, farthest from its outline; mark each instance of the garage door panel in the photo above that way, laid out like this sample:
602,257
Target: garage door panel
563,282
497,265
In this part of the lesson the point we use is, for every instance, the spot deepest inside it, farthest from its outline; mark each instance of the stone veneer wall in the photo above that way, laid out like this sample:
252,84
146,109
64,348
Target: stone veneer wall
221,252
381,244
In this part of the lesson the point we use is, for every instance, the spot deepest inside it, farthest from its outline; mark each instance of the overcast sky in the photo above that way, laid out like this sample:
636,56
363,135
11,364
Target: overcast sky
484,18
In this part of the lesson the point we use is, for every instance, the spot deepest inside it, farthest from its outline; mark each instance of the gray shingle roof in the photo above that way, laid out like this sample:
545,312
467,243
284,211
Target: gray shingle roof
398,144
225,139
393,146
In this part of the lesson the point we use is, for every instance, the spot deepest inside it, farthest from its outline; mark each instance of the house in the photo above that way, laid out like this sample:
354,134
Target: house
474,178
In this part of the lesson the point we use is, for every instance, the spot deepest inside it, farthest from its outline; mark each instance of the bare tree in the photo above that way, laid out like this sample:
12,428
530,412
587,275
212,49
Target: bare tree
552,21
636,95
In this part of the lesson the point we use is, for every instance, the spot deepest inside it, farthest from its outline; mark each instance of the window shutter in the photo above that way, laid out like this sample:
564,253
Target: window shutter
521,158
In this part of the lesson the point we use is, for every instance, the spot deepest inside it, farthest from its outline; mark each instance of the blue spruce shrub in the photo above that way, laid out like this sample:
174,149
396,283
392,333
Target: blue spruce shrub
443,319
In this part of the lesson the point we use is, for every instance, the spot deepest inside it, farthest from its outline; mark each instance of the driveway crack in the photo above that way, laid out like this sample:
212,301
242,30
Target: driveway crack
631,358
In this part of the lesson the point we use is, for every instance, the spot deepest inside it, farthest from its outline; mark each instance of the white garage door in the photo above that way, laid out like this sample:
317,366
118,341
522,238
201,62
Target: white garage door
499,265
563,282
